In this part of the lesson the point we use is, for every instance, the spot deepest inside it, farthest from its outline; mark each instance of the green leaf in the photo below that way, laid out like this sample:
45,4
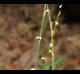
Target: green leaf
58,61
45,66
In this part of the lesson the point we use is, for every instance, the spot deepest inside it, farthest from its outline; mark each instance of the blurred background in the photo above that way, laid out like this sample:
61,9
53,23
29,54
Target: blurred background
20,24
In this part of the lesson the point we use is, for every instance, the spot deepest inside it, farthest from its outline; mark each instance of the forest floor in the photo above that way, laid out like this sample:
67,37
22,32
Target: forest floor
19,25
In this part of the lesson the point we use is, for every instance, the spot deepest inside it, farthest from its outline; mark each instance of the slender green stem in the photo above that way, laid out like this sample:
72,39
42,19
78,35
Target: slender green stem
54,29
57,19
53,32
38,38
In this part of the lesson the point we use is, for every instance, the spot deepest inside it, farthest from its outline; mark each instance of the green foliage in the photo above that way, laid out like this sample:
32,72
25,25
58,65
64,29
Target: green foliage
45,66
58,61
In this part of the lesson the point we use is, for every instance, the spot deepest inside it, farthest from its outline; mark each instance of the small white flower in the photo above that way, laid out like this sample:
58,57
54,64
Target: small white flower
51,45
32,69
56,23
47,10
38,37
60,6
50,51
43,58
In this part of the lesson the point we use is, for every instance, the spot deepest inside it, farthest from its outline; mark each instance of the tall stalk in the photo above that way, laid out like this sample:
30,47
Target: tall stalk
46,11
38,38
